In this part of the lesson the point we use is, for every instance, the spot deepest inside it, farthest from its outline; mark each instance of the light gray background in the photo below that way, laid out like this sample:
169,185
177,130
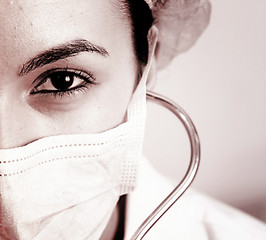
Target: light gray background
221,83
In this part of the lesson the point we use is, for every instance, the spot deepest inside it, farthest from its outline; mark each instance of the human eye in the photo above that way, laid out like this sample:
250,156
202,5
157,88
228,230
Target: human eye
62,82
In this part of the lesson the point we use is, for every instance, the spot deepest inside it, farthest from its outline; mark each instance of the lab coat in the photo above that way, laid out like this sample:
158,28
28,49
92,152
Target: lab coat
193,216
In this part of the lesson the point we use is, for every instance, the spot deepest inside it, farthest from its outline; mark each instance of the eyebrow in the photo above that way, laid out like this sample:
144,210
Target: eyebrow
63,51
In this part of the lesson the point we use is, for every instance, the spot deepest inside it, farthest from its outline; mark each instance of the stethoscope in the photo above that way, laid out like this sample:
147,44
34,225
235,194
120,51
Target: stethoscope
178,191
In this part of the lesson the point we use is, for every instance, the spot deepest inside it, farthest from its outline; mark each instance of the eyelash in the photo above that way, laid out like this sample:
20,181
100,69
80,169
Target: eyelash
88,81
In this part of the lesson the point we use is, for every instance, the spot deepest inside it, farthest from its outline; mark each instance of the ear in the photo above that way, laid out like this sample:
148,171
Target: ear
150,68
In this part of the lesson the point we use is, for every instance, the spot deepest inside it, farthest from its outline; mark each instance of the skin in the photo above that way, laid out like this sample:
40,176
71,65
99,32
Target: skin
31,27
34,26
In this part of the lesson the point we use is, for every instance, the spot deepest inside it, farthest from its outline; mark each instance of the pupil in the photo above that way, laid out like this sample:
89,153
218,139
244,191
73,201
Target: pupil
62,81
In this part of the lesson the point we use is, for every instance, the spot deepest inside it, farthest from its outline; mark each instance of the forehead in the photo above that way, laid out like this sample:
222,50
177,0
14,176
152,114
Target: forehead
42,24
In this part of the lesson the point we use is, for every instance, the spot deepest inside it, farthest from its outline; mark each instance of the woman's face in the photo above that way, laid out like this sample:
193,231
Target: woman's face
66,66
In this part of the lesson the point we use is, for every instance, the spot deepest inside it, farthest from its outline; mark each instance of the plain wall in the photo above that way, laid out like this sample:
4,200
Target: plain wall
221,83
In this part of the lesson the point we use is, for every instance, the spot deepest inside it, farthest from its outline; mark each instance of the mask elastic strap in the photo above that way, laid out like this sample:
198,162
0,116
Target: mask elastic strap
166,204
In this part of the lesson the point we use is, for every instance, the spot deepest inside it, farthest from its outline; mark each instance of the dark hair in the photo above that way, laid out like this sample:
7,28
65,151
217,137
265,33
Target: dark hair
141,20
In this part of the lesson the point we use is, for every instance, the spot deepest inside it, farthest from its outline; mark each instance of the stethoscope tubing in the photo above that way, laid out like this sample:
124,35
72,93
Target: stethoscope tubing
179,190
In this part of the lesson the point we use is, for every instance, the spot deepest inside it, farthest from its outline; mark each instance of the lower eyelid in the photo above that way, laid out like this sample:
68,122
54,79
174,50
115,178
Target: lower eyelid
69,93
84,85
59,102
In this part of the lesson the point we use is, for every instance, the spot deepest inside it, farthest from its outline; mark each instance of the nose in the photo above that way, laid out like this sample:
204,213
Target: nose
14,122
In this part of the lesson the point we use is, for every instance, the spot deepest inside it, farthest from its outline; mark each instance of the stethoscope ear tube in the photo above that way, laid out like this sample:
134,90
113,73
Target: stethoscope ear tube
191,171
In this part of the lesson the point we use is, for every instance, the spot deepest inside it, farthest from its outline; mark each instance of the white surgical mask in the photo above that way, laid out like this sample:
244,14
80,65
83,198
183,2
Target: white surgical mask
66,187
